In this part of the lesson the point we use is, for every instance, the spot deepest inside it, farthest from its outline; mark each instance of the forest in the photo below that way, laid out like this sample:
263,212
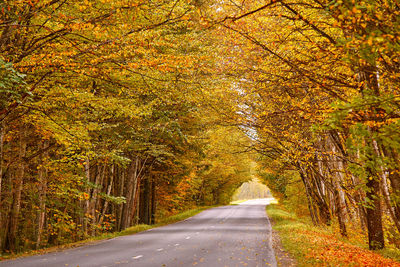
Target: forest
120,112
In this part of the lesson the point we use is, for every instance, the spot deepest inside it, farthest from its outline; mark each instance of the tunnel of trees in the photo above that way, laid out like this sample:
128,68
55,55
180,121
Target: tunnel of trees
119,112
252,189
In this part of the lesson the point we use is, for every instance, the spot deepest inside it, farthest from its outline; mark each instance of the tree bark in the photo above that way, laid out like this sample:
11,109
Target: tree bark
94,197
110,184
18,185
87,198
122,207
374,216
144,212
153,201
42,197
385,188
340,214
130,193
2,131
324,215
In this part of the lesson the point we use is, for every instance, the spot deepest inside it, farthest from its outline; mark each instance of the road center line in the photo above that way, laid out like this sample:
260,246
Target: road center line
137,257
188,237
176,245
160,249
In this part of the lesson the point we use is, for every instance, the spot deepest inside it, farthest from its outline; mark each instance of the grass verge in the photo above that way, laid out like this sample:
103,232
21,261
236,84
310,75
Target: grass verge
236,202
319,246
131,230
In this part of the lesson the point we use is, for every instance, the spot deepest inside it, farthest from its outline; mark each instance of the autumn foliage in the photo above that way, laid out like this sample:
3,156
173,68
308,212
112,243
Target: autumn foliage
327,250
115,113
319,96
321,246
104,119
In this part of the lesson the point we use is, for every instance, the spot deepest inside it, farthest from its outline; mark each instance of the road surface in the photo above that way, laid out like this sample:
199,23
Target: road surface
237,235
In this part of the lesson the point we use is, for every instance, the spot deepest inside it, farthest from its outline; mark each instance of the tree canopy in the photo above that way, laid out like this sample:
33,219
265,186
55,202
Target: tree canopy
114,113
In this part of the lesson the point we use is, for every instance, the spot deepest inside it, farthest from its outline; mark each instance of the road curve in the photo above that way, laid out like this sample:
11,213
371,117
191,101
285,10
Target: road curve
238,235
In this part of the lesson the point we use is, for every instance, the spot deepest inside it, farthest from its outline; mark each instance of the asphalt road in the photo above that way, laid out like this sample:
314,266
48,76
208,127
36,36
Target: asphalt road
238,235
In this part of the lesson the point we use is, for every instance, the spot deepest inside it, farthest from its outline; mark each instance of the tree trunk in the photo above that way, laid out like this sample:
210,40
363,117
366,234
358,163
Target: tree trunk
374,216
1,183
340,201
135,211
42,197
130,194
340,214
110,184
153,201
368,73
394,178
121,193
144,212
18,185
385,188
136,200
94,197
87,198
321,215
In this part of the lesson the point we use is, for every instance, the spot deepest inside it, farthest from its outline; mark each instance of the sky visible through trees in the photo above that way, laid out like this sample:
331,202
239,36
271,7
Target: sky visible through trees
253,189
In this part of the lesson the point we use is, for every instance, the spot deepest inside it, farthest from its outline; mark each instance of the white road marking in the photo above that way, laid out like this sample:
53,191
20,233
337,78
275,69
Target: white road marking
137,257
160,249
176,245
188,237
197,233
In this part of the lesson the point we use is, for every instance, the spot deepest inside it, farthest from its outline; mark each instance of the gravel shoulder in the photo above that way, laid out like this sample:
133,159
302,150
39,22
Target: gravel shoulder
283,258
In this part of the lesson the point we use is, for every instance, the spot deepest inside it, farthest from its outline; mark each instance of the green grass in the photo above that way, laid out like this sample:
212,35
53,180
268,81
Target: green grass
323,246
128,231
287,224
236,202
168,220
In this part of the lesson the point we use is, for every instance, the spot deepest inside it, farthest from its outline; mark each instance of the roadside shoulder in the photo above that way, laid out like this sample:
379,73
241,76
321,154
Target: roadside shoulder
283,258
